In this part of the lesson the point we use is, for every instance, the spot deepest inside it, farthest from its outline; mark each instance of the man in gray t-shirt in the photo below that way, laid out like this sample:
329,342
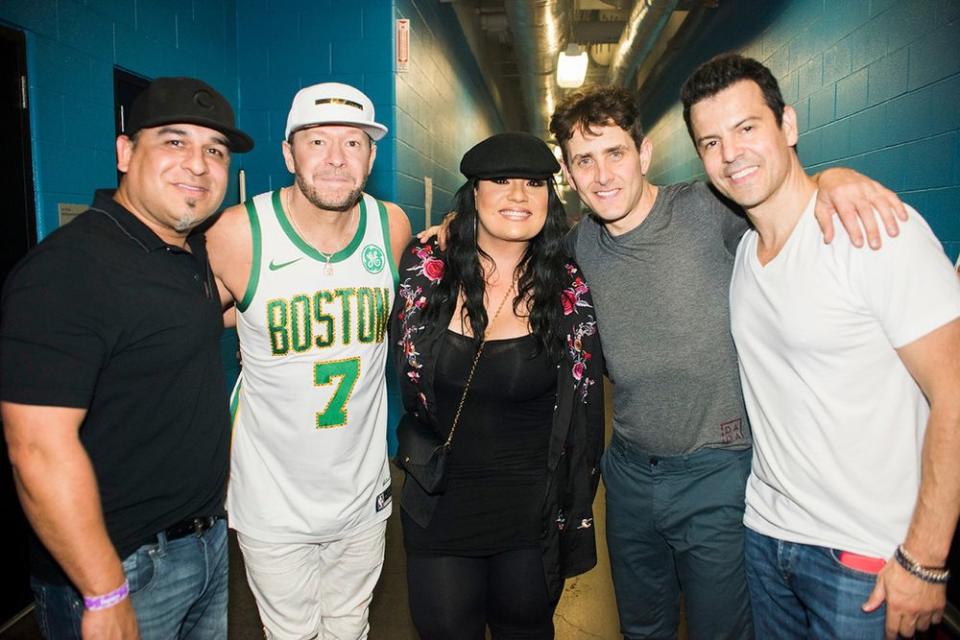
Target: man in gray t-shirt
660,290
658,261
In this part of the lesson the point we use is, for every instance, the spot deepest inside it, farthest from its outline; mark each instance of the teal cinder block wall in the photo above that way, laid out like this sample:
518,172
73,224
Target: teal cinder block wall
435,111
285,45
876,86
72,48
443,108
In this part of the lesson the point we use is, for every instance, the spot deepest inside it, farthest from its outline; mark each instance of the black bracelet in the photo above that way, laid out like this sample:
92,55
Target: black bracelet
933,575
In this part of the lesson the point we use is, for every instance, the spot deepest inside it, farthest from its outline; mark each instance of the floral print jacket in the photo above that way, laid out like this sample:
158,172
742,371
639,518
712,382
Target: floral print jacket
576,439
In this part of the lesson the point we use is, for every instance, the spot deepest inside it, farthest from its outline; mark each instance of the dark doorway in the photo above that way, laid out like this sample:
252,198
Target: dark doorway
126,87
18,232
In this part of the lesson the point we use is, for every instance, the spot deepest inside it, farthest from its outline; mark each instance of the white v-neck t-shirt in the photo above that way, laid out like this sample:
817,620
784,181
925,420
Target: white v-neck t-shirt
838,420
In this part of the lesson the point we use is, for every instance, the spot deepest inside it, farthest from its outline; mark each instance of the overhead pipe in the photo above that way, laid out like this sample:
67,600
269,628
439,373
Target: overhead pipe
540,29
647,20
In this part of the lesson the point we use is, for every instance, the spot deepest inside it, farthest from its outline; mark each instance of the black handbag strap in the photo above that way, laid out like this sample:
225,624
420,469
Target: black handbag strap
473,368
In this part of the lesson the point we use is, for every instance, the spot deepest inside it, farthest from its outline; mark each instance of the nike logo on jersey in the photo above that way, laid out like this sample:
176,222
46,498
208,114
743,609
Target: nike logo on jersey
274,266
383,500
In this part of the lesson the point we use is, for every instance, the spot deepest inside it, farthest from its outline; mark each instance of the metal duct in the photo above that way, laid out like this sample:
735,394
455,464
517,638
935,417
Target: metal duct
643,28
540,29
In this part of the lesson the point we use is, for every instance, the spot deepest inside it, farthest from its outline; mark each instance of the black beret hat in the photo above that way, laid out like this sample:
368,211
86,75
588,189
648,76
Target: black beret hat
187,101
509,155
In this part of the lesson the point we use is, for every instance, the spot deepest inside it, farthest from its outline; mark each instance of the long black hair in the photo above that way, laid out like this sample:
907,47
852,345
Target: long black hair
541,273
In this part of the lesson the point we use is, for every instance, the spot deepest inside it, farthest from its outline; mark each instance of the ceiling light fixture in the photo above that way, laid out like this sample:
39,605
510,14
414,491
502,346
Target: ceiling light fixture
572,67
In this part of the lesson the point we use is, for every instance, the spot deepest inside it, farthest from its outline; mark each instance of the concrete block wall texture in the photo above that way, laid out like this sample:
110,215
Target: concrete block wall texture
72,49
285,45
258,53
435,111
443,108
876,86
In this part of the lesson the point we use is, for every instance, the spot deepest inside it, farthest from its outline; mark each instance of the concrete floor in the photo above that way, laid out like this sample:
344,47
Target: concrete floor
587,609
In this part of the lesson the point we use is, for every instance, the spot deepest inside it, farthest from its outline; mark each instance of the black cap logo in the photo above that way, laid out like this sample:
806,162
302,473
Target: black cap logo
203,99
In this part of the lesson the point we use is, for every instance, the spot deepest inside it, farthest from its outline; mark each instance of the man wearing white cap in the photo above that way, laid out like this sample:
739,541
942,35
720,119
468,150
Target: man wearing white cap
312,270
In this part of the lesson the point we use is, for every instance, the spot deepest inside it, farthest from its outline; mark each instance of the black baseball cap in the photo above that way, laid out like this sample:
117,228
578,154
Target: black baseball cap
510,155
188,101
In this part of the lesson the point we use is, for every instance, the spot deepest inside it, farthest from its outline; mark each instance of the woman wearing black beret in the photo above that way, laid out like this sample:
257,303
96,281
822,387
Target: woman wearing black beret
496,338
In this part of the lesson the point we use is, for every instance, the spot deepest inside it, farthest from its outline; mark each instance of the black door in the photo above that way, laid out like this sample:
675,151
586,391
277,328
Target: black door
126,87
18,232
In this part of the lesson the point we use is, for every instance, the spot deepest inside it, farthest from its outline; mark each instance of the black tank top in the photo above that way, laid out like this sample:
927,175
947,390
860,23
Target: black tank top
496,490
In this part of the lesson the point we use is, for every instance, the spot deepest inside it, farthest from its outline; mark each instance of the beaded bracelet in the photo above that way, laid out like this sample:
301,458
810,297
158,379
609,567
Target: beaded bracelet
933,575
107,600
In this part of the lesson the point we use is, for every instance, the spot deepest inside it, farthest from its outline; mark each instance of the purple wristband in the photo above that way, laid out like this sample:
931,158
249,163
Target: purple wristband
107,600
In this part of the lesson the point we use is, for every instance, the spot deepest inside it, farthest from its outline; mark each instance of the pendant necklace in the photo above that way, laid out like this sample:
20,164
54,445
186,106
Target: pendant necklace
327,257
327,266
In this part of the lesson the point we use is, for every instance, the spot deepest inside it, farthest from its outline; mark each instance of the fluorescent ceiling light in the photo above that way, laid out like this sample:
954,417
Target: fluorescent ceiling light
572,67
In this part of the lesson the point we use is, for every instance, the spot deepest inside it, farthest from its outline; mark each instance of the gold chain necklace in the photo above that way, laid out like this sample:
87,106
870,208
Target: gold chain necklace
473,367
327,257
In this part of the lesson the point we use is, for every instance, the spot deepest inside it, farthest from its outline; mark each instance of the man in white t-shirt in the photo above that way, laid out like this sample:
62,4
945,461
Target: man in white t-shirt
850,363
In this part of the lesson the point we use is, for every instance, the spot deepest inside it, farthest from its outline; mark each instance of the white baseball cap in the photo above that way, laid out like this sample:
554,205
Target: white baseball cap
333,103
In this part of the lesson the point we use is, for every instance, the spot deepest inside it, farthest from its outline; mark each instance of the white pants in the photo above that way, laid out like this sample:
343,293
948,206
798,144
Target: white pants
320,590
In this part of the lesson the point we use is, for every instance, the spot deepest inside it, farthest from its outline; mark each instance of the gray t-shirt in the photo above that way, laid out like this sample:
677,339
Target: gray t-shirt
661,293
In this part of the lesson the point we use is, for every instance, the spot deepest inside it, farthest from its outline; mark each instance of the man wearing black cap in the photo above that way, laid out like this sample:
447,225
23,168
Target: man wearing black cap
112,389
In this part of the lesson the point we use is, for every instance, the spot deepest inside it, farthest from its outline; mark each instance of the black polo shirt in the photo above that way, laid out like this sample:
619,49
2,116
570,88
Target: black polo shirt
103,315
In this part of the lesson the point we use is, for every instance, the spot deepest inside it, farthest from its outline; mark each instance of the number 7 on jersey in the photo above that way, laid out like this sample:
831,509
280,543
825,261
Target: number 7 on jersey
344,374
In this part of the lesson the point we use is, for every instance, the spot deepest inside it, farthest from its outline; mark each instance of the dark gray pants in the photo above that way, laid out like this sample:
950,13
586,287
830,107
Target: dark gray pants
676,523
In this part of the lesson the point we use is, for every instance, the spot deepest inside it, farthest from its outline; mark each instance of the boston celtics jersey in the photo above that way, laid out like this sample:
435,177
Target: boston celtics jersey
309,454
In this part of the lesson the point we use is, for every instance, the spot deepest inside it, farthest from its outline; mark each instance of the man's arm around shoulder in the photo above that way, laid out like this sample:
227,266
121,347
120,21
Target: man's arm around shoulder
856,200
58,490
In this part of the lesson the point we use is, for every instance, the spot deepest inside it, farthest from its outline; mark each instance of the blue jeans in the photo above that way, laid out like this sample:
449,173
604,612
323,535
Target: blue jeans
178,589
802,591
676,523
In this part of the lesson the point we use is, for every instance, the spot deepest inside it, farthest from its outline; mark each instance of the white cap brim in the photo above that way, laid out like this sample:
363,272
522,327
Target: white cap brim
375,130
